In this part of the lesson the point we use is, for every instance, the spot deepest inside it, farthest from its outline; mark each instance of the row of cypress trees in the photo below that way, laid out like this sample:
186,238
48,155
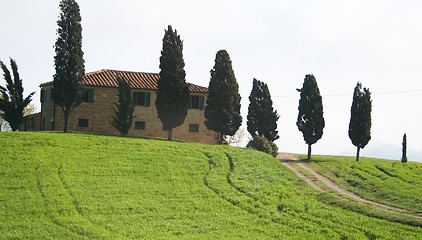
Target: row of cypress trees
172,93
311,122
222,111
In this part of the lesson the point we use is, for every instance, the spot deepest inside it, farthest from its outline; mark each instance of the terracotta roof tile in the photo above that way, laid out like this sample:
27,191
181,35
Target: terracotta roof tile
33,116
138,80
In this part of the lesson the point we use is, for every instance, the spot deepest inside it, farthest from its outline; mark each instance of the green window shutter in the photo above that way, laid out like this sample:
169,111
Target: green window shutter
90,95
190,102
148,99
201,102
135,98
42,95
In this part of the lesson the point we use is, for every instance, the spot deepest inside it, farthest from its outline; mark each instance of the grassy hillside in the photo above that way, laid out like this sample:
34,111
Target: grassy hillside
386,181
67,186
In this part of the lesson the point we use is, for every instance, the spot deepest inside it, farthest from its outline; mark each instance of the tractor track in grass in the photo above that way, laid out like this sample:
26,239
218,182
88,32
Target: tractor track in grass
219,192
56,214
48,212
286,159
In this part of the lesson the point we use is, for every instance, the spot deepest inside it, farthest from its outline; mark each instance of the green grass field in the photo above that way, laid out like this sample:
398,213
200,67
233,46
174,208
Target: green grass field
82,186
386,181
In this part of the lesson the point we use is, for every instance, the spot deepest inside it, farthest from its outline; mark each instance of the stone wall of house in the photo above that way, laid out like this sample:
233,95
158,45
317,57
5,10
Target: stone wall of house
32,123
99,112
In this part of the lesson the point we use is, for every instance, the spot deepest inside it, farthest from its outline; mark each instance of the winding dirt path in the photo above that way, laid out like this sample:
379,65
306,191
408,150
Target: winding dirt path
286,159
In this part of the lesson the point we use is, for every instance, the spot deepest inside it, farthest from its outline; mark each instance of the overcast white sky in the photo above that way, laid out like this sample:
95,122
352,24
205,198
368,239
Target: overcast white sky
377,42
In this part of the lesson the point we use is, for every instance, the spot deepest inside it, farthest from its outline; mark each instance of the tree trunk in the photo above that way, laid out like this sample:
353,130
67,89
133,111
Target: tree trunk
170,136
220,138
309,152
357,154
66,122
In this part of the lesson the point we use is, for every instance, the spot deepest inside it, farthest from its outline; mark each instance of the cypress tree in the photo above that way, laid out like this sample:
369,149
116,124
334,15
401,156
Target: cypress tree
262,118
360,118
404,149
12,103
123,108
172,92
69,63
222,112
310,120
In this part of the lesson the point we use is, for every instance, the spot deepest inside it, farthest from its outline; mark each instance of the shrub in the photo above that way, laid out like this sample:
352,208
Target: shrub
263,145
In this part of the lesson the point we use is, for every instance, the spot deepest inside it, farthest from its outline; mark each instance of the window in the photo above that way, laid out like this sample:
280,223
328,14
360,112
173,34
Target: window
193,127
141,99
140,125
83,123
85,96
196,102
88,95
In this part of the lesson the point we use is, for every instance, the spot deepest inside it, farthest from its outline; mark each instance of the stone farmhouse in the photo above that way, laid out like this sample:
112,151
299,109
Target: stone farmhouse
100,92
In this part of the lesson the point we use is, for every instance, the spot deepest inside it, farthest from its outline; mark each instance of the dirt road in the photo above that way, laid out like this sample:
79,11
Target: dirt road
286,159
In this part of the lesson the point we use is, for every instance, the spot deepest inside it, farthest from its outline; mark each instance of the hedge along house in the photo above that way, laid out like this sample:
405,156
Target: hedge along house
100,92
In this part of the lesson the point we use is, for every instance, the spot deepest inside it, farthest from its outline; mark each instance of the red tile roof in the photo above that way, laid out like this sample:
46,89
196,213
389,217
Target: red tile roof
138,80
33,116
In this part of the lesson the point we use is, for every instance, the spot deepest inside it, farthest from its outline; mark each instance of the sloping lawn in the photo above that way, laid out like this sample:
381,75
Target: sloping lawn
386,181
82,186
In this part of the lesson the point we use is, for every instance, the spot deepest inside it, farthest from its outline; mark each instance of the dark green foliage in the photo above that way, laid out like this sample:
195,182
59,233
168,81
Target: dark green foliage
172,92
12,103
222,112
360,118
263,145
123,108
68,62
262,118
310,120
404,149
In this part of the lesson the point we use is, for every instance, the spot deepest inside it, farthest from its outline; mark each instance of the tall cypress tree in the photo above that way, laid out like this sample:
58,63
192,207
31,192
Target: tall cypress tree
69,63
404,149
172,92
12,103
360,118
310,120
262,118
222,112
123,108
